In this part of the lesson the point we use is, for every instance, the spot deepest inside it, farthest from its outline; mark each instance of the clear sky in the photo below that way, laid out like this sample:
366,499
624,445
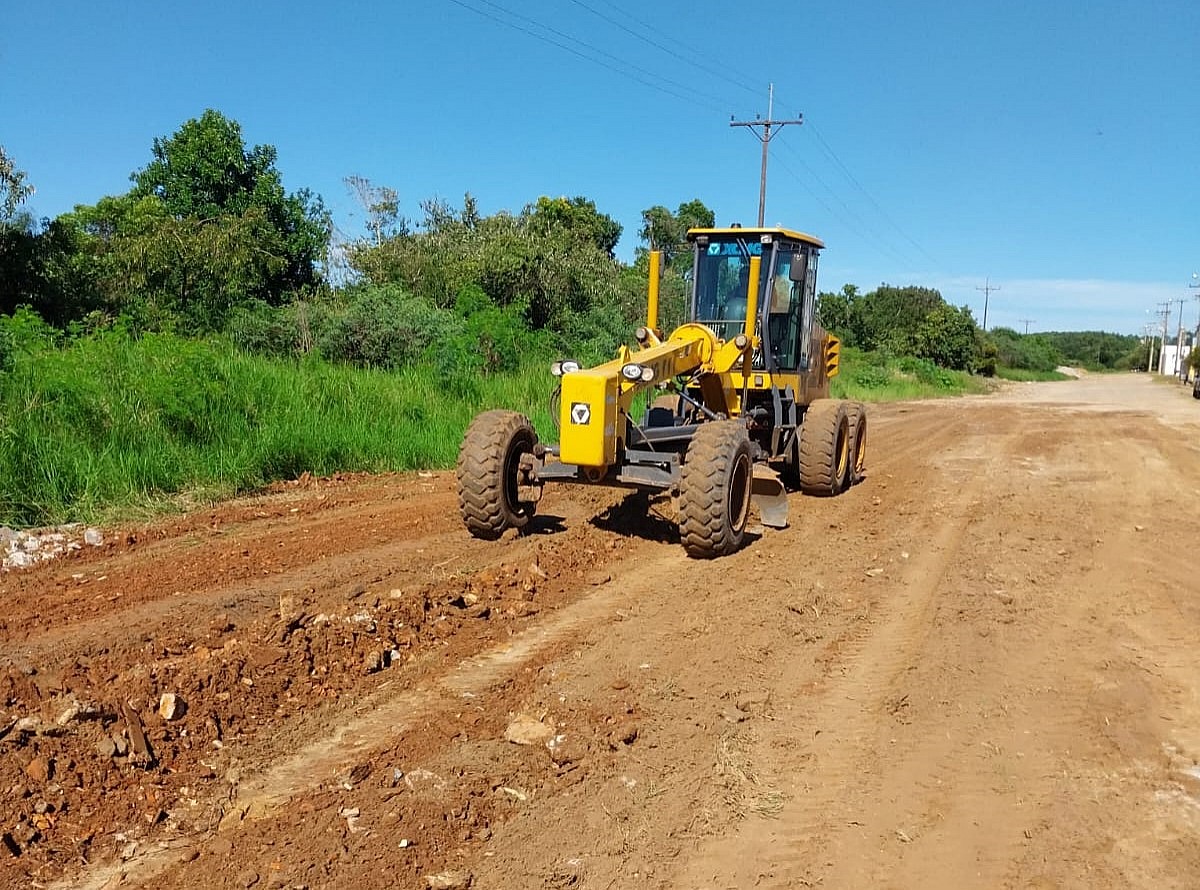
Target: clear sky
1048,147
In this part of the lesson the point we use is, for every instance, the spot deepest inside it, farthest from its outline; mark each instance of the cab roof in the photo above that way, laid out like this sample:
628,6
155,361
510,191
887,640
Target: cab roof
790,234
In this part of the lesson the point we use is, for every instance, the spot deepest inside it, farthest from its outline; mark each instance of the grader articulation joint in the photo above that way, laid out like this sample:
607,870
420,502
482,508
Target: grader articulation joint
745,412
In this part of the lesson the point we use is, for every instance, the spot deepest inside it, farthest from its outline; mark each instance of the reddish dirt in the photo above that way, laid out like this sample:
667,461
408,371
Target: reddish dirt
975,669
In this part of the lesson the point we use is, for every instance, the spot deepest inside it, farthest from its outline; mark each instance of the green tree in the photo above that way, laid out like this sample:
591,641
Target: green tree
13,187
891,317
1033,352
130,255
666,231
382,206
840,313
947,337
578,217
205,173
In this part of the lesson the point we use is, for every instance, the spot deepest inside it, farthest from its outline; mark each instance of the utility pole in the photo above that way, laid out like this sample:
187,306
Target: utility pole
1150,352
987,289
1179,339
1027,322
1164,309
765,138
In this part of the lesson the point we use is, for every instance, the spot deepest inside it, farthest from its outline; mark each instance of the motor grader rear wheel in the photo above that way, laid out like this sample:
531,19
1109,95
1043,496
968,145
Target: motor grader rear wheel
856,419
714,490
489,473
825,467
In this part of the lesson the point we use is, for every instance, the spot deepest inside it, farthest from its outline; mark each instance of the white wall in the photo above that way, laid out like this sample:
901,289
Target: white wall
1167,362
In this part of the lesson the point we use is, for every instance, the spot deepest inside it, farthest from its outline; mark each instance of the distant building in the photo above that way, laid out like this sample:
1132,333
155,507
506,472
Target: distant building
1168,364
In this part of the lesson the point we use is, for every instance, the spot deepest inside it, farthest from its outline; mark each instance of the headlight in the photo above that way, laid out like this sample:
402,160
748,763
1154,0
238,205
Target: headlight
634,372
564,367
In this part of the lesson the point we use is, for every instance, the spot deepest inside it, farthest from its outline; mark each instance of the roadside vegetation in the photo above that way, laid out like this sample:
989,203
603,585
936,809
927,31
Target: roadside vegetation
208,332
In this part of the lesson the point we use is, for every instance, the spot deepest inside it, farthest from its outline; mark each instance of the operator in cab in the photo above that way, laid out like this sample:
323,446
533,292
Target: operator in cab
735,298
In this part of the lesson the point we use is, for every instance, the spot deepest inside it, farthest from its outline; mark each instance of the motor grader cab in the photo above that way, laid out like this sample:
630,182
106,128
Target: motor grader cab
743,411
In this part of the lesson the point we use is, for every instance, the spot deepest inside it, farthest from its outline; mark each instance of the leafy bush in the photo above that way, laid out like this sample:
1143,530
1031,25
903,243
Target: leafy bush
383,327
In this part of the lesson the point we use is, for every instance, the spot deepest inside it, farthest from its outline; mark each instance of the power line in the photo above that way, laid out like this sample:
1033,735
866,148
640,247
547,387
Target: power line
765,138
852,220
848,218
825,146
687,96
702,66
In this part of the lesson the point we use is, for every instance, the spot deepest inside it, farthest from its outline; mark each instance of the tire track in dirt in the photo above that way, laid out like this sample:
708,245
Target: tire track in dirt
972,670
1003,678
848,708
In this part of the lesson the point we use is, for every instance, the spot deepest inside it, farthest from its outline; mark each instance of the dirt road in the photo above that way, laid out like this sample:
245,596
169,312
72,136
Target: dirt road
978,668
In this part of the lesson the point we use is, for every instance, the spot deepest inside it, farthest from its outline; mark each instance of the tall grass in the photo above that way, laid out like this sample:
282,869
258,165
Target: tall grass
115,422
111,423
875,377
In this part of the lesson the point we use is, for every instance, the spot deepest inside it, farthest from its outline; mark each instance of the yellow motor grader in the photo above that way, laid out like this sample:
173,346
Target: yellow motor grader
744,411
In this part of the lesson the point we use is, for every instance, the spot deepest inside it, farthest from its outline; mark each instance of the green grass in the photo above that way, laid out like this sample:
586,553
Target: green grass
110,423
872,377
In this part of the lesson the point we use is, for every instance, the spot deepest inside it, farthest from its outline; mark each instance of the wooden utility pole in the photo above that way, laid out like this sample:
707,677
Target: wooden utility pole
1178,340
1027,322
987,289
765,138
1164,309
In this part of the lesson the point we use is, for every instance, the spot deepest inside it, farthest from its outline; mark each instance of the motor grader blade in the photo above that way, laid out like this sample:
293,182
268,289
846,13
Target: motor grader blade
769,495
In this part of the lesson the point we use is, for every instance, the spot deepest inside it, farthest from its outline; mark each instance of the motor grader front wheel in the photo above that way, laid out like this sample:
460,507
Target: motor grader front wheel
490,474
714,490
825,463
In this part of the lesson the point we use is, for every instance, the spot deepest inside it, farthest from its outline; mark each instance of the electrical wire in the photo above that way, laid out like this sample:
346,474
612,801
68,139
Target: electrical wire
854,181
702,66
679,91
846,216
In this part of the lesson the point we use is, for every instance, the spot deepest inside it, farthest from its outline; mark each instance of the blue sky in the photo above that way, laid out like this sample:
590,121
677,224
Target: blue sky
1050,147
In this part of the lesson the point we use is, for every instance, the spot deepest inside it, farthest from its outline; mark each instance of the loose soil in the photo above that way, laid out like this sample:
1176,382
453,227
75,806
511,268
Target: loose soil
976,668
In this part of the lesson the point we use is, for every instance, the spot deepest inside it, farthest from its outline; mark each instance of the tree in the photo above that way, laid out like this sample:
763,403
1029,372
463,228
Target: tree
577,217
13,187
204,172
840,313
382,206
130,255
891,317
667,232
946,336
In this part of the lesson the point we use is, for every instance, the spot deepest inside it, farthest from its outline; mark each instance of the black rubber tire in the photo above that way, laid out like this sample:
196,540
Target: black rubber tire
825,448
714,490
790,471
487,468
856,419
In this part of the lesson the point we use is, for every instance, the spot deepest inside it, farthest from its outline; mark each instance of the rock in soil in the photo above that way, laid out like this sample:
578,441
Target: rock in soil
526,730
448,880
